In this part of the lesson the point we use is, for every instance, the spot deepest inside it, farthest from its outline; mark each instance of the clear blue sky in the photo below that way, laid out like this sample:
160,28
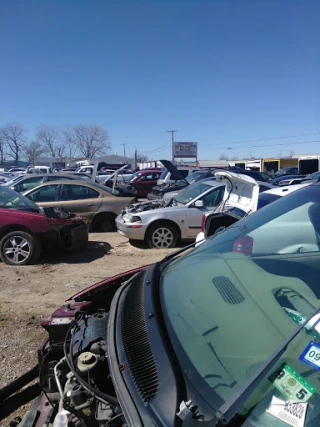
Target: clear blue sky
218,71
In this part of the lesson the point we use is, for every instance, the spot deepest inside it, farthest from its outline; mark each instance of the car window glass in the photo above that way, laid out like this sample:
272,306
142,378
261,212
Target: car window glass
47,193
155,175
146,177
213,198
191,192
28,184
57,178
78,192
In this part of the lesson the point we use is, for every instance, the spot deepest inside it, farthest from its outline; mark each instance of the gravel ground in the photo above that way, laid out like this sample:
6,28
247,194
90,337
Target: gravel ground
31,293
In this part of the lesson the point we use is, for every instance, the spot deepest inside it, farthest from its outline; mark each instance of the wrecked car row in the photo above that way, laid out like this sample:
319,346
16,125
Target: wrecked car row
164,222
172,344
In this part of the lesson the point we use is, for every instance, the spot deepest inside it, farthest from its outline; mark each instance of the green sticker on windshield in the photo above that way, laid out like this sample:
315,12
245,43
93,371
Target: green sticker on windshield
292,385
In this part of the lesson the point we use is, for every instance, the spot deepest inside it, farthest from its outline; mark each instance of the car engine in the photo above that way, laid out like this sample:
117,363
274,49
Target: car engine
149,205
79,384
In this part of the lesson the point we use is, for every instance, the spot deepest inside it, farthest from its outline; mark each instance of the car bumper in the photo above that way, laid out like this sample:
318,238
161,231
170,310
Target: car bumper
131,230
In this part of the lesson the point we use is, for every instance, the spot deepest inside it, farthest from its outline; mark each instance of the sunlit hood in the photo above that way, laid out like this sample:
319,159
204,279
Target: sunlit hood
241,191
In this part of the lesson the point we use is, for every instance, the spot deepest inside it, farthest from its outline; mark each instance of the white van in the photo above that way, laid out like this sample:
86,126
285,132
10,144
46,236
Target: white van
167,175
38,169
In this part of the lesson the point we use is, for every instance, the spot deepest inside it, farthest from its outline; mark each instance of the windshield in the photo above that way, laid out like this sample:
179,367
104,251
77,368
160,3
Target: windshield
133,176
195,176
232,301
10,199
192,192
281,171
164,173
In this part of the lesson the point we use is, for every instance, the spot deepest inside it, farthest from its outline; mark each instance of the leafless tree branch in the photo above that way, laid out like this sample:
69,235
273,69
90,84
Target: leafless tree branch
49,137
88,140
14,137
34,150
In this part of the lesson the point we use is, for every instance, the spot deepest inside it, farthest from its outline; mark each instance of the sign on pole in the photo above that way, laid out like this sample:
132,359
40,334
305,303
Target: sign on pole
185,149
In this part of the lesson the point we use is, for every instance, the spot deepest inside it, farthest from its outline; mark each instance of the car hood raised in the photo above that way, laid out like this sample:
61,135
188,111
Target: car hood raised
175,174
241,191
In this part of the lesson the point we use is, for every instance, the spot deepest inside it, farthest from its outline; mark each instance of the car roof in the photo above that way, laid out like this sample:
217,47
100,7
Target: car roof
66,181
286,189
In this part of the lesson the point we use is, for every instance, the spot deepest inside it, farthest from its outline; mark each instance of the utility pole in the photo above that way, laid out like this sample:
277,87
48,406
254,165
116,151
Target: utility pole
172,140
124,149
135,158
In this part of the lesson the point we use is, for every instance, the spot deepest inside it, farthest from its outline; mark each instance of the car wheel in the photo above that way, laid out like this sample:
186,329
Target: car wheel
104,223
19,248
162,235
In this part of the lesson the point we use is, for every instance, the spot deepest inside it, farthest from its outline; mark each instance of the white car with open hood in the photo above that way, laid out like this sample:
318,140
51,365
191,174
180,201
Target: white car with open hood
181,218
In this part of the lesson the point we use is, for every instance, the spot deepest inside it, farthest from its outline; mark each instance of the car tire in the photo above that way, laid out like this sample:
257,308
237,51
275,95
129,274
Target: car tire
20,248
162,235
104,223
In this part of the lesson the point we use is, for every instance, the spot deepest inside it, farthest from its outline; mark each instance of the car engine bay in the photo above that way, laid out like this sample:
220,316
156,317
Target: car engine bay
74,373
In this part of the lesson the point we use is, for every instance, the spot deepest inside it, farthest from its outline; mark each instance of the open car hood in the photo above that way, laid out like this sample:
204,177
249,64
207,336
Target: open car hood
175,174
241,191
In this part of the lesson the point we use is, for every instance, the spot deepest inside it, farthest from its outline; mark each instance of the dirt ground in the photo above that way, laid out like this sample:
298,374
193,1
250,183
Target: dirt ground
31,293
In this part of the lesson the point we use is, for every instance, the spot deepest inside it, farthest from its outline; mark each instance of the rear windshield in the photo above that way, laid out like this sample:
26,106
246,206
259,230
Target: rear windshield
266,198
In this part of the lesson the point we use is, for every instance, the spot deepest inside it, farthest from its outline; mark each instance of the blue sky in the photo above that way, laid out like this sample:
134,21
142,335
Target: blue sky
218,71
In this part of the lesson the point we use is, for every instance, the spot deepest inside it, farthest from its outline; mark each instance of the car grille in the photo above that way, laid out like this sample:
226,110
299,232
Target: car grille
136,342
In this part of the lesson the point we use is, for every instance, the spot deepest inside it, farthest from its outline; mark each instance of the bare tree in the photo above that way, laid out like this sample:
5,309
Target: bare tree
223,156
2,149
49,137
141,158
33,150
89,141
14,137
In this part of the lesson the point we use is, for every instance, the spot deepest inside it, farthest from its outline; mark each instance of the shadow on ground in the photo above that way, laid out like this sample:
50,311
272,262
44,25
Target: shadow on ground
92,251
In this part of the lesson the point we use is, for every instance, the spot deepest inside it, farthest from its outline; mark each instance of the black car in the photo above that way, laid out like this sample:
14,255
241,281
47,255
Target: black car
286,171
258,176
277,180
158,191
226,334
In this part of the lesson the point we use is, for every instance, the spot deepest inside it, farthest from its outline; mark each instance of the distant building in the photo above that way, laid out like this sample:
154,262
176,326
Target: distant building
111,161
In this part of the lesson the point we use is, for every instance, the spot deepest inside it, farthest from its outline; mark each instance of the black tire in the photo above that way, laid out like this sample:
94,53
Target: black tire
20,248
104,223
162,235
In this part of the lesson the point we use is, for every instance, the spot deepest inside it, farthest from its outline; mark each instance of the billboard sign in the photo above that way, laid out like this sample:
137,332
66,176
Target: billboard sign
185,149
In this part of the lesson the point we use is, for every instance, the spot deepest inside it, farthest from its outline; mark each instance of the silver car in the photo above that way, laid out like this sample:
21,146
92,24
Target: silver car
181,218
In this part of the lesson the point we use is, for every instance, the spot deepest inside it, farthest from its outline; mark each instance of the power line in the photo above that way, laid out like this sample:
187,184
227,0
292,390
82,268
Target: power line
274,145
262,139
163,147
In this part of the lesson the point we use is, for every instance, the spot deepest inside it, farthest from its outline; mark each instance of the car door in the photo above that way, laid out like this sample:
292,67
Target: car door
145,183
80,199
194,215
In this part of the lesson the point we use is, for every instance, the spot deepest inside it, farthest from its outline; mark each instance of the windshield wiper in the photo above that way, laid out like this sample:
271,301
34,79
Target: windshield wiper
230,408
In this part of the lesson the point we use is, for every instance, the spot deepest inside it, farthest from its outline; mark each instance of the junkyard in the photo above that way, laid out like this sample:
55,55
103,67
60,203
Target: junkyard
159,213
32,293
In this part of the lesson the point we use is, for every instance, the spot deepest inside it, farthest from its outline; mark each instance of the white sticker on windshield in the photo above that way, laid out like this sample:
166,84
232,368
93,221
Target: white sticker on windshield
292,413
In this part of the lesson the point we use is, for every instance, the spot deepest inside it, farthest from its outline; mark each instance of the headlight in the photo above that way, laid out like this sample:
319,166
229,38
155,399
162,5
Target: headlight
135,218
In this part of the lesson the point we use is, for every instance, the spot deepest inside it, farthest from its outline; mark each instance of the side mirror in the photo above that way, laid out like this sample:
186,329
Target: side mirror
198,204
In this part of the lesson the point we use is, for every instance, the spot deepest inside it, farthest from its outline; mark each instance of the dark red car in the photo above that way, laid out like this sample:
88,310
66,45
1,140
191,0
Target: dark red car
25,229
144,180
